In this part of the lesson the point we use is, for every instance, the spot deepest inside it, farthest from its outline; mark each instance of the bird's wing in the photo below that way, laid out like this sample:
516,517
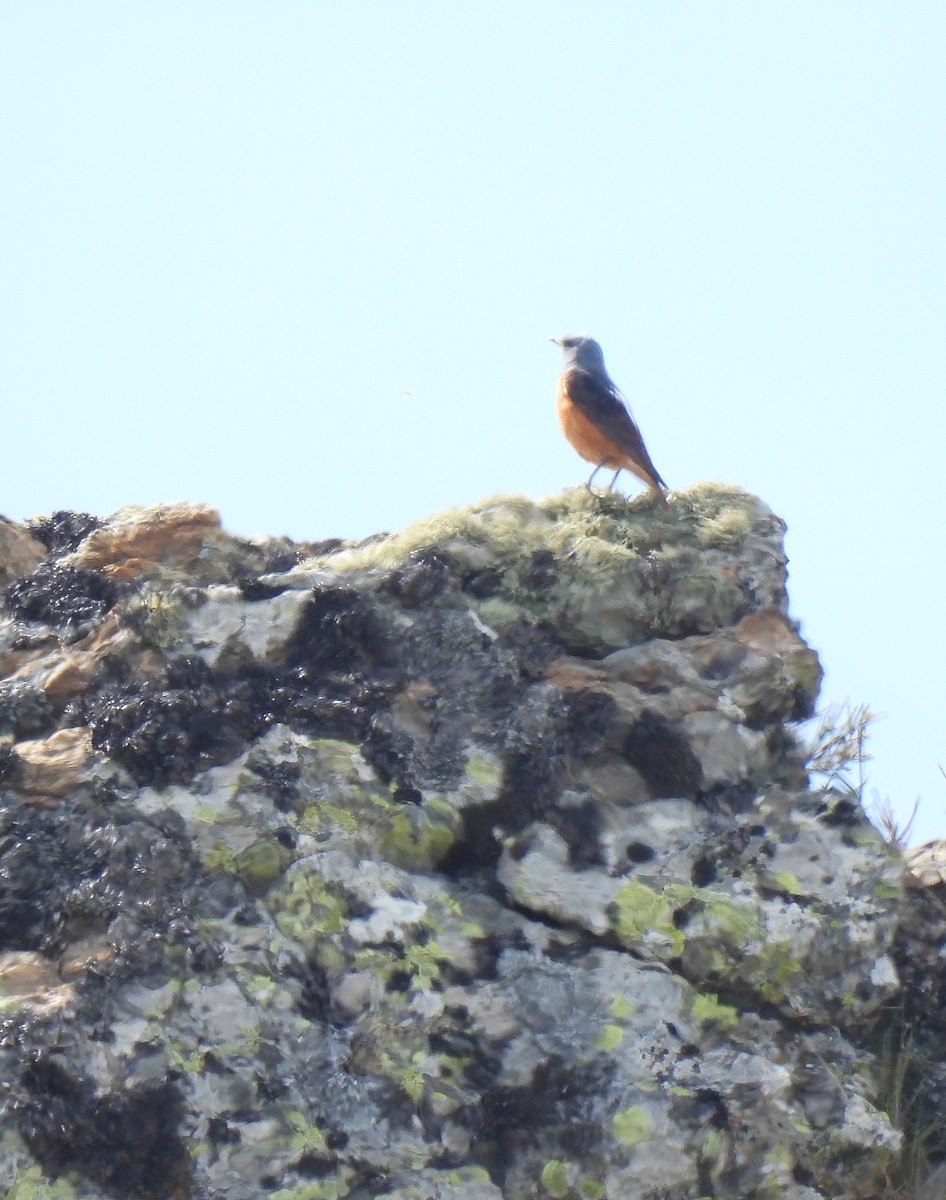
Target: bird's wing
602,405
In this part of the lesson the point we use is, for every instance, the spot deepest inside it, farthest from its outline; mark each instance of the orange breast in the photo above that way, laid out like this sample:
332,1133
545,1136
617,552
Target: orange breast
585,436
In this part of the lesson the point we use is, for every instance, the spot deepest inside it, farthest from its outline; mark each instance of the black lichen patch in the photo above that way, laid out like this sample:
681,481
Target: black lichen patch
338,634
538,739
330,684
484,583
128,1142
24,709
559,1104
664,758
551,729
61,595
532,646
580,826
840,810
588,714
472,684
165,735
424,575
281,558
541,572
253,588
11,766
390,753
476,847
62,874
63,531
704,871
639,853
279,780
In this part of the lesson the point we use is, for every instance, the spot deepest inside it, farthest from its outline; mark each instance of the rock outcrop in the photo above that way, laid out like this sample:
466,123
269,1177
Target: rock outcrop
473,862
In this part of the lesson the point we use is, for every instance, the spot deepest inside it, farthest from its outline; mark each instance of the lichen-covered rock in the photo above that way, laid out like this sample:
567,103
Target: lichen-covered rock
477,861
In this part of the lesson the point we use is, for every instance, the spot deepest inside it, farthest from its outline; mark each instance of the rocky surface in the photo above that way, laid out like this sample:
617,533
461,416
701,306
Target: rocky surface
474,862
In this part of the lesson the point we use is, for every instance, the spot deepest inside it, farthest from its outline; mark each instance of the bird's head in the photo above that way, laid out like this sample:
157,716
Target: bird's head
581,351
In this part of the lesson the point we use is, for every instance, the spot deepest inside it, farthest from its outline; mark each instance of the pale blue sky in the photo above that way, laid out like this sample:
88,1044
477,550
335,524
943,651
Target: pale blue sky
300,260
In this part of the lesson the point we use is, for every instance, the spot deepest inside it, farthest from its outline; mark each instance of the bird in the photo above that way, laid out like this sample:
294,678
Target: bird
595,418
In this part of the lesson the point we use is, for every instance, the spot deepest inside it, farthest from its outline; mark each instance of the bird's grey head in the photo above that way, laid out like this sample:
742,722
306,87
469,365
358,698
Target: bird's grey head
581,351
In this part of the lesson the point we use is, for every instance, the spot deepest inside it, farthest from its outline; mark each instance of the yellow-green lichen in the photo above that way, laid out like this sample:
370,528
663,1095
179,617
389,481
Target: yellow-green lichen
778,967
714,1149
497,613
333,1187
159,617
317,818
493,522
554,1177
727,530
707,1007
419,836
885,889
190,1059
333,754
404,1065
706,502
631,1125
306,907
641,914
353,801
220,857
257,987
574,524
591,539
736,924
206,814
261,863
305,1137
423,961
484,772
32,1184
621,1008
610,1038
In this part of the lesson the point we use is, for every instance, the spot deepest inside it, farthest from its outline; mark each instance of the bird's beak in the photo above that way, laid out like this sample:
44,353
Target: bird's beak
557,341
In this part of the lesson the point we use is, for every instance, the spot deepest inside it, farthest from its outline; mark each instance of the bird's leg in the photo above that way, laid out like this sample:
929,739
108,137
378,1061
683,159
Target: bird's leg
615,479
592,475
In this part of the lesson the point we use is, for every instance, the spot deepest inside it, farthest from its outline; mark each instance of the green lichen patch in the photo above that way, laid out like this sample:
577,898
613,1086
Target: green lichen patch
339,794
419,836
610,1038
331,1187
32,1184
707,1007
555,1177
307,907
644,916
157,616
778,968
621,1008
631,1125
492,523
717,939
729,528
261,863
